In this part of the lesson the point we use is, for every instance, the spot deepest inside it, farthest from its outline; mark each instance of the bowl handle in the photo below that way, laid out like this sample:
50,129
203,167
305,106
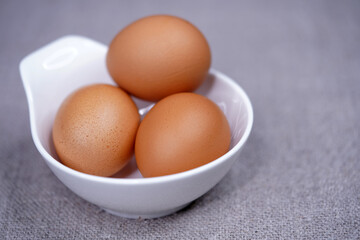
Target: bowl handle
38,69
51,73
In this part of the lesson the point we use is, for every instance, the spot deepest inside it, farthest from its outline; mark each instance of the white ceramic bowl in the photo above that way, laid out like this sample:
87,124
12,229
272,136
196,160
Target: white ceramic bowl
52,72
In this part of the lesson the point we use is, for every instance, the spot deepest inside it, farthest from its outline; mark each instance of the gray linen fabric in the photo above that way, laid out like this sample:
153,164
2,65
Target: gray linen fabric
298,176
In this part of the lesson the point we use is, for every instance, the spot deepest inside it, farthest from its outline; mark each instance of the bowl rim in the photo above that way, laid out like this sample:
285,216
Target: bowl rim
151,180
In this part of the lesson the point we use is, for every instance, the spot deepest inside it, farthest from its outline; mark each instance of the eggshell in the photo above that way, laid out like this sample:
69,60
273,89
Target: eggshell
95,128
181,132
158,56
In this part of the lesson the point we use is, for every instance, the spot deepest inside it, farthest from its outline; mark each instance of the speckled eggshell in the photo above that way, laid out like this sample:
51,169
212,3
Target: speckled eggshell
157,56
95,128
181,132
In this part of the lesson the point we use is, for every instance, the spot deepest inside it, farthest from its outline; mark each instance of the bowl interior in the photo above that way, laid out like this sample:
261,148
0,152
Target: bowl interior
88,67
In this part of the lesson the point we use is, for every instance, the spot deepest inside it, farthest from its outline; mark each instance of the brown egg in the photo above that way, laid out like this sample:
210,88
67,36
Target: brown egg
181,132
95,128
158,56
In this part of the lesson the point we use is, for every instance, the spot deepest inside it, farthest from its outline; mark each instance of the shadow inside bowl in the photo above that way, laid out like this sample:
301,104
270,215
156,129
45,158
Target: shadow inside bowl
129,171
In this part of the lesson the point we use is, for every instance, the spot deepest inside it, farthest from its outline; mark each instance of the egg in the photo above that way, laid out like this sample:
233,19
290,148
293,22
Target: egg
157,56
181,132
94,129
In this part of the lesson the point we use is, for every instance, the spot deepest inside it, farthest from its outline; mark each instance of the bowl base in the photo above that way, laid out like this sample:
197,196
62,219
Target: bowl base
145,216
